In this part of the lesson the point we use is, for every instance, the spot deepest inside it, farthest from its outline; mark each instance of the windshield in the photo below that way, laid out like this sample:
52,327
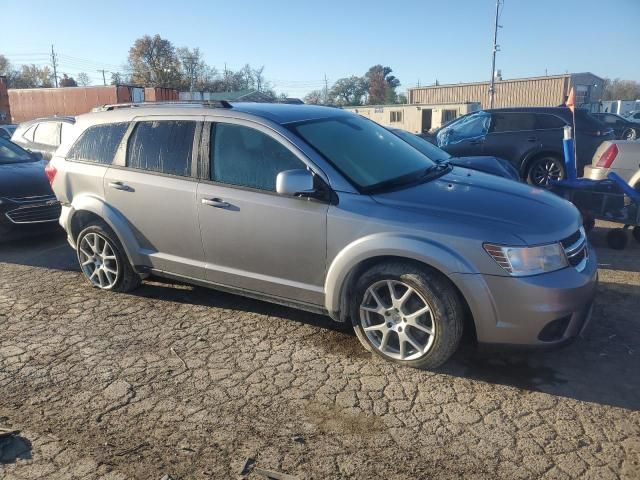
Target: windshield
12,153
366,153
423,146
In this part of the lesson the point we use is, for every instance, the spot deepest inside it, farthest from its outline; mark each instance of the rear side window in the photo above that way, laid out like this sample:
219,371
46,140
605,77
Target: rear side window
512,122
546,122
28,135
163,146
249,158
98,144
48,133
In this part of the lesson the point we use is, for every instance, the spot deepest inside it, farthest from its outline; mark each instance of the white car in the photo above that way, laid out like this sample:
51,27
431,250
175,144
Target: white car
619,156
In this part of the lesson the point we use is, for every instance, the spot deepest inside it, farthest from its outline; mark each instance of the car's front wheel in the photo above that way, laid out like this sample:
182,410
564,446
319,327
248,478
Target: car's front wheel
544,169
407,314
629,134
102,259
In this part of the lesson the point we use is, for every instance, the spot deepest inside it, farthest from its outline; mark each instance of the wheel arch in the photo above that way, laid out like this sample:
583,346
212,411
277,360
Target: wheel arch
358,257
86,209
526,162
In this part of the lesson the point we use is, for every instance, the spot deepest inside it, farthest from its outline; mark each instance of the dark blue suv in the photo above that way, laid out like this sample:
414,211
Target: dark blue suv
530,138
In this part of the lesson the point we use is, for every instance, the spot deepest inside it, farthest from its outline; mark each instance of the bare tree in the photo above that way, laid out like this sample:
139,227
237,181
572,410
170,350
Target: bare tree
314,97
83,79
618,89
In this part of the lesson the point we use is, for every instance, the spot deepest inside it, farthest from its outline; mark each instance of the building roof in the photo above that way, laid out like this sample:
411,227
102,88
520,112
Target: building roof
523,79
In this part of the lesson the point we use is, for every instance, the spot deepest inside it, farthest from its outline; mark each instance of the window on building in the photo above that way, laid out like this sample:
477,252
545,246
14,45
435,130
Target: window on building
448,115
395,116
98,144
163,146
47,133
247,157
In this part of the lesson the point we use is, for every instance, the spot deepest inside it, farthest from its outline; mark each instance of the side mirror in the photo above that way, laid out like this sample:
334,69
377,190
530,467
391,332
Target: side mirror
294,182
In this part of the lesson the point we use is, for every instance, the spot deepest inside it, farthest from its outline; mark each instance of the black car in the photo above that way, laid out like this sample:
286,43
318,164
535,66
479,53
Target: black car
7,130
530,138
43,135
622,128
27,203
492,165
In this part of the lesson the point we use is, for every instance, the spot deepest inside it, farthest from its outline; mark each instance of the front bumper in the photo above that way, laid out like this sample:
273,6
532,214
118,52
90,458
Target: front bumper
516,310
28,215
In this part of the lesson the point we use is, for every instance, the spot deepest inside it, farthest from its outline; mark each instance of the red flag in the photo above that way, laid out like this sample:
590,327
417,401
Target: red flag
571,100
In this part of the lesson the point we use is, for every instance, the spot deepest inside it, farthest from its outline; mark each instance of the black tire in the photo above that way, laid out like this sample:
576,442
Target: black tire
636,233
617,238
442,298
551,164
126,279
629,134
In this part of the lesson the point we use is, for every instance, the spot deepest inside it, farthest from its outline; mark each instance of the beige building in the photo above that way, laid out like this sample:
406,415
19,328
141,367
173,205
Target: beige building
548,91
415,118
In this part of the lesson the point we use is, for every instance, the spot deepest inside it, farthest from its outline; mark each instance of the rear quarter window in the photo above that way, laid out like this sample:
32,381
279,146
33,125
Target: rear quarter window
98,144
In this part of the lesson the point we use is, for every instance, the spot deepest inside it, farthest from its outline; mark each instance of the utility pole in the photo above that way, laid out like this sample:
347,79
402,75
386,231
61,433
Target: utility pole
496,47
54,65
326,90
104,79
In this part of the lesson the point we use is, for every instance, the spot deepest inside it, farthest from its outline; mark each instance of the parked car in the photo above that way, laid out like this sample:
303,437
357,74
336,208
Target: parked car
327,211
43,135
622,128
7,130
619,156
633,116
27,203
492,165
530,138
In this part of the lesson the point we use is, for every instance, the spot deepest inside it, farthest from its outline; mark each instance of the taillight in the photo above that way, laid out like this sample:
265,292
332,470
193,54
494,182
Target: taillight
50,171
608,156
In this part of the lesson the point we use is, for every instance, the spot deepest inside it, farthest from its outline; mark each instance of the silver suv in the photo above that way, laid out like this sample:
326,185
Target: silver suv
326,211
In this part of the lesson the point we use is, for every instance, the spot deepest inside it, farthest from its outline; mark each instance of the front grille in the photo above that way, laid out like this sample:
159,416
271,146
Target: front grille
34,199
576,249
47,212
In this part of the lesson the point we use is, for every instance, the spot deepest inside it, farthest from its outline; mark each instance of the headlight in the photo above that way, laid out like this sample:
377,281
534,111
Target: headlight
522,261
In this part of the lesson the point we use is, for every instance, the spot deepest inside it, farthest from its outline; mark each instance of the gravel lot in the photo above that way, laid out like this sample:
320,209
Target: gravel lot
190,382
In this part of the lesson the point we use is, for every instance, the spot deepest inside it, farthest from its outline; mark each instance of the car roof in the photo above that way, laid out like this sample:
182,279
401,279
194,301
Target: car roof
66,119
276,112
553,110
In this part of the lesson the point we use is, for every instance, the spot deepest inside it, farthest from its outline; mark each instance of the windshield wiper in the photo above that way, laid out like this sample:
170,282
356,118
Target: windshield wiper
421,176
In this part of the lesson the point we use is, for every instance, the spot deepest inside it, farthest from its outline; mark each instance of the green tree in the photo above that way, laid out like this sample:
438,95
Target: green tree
348,91
153,62
30,76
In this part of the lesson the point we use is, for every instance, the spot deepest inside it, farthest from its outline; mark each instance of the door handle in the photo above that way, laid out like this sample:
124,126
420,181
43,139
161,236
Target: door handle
119,186
215,202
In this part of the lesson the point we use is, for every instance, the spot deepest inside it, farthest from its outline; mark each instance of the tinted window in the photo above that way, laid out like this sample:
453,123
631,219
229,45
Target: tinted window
98,143
48,133
12,153
546,122
244,156
362,150
512,122
163,146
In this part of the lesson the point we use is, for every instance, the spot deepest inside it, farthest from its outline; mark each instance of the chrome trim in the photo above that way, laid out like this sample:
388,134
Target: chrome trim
50,203
575,249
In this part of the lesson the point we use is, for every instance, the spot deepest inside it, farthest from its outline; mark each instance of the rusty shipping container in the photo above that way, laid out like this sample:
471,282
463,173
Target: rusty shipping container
5,113
27,104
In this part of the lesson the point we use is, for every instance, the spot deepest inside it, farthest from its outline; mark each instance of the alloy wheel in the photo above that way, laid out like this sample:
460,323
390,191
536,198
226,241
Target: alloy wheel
98,260
629,134
397,320
546,170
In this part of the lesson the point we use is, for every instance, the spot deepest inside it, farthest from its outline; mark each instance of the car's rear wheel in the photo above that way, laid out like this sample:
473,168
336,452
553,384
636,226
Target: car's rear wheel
544,169
102,260
408,315
629,134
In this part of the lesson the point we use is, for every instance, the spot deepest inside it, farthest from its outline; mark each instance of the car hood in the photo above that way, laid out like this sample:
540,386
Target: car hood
487,164
489,203
23,180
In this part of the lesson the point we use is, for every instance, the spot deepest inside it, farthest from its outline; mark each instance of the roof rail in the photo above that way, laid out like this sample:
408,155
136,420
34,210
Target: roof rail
172,103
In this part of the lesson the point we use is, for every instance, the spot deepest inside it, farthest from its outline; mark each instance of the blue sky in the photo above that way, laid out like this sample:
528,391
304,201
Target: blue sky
301,41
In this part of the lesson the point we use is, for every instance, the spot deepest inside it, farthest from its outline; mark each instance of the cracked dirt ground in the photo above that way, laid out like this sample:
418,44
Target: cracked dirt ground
97,385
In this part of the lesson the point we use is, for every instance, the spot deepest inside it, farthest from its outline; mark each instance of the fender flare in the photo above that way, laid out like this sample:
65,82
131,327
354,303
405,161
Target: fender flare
111,217
406,246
